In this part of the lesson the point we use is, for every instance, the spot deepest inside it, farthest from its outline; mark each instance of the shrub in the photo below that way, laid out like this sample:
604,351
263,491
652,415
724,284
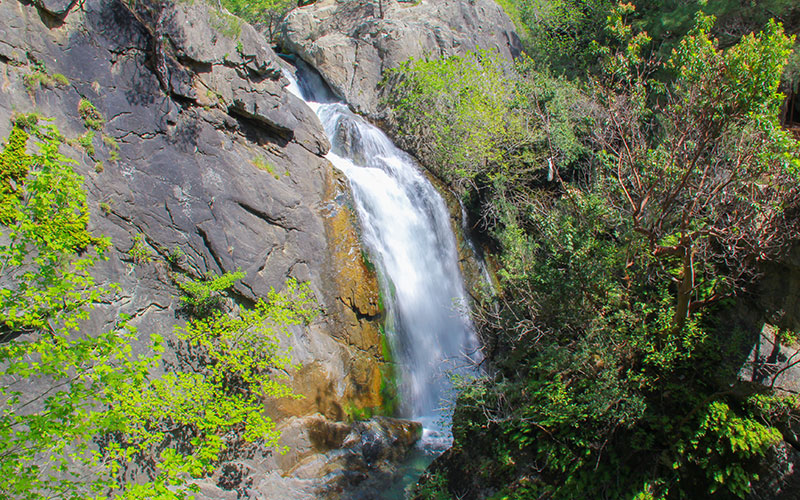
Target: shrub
203,296
140,252
40,78
86,141
92,118
265,165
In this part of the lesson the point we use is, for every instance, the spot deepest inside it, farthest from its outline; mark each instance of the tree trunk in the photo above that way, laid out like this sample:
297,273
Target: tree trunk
685,288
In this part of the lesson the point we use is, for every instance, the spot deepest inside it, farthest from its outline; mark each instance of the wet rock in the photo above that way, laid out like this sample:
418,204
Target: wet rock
352,43
384,438
349,141
351,460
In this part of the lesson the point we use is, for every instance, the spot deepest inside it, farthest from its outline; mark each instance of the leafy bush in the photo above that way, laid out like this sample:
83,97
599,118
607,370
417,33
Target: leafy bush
454,110
477,121
92,118
140,251
262,13
80,412
205,295
39,77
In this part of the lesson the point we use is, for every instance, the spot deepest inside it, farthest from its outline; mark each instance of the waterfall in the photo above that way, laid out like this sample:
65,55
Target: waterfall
406,228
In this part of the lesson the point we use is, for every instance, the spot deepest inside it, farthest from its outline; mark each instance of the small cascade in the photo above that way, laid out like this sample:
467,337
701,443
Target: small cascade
406,227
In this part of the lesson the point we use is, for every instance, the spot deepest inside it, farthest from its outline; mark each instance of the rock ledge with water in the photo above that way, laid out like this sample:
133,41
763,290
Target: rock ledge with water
351,43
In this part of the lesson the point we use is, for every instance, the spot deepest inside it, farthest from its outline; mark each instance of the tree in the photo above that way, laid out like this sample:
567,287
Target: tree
77,407
708,177
54,379
611,378
266,13
183,424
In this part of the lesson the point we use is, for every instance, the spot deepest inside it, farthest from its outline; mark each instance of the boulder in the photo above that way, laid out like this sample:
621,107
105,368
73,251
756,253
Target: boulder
352,42
351,460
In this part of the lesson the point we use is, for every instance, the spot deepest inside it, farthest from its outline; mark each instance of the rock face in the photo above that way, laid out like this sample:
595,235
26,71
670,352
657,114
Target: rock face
780,290
204,154
351,42
359,458
56,8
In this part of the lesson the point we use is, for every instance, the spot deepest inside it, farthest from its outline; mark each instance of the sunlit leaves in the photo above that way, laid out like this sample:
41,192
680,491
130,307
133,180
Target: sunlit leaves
81,408
460,105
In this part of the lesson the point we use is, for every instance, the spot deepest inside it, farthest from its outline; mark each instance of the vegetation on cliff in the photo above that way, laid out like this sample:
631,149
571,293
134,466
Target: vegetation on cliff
82,407
627,207
265,14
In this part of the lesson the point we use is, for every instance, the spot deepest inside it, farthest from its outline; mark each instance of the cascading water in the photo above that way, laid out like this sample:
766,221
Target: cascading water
406,227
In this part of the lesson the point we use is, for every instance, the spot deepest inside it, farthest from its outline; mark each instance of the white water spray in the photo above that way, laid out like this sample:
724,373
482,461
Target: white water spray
407,229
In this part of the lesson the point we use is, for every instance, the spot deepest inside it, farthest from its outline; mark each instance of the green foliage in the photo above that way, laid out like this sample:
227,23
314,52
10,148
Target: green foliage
791,73
175,255
140,252
14,163
92,119
560,33
717,140
787,337
612,378
460,104
39,77
110,142
54,380
669,21
723,446
354,414
265,165
475,120
45,212
218,402
26,121
266,13
86,141
113,147
203,296
66,389
433,486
